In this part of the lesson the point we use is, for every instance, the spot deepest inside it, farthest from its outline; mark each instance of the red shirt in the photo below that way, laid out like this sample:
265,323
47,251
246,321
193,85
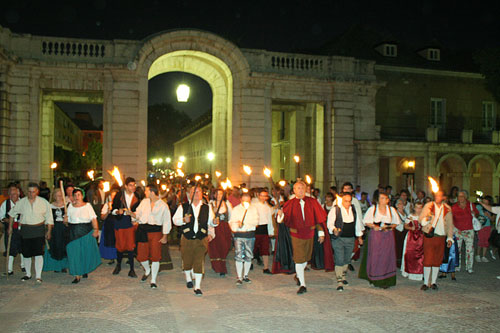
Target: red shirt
462,218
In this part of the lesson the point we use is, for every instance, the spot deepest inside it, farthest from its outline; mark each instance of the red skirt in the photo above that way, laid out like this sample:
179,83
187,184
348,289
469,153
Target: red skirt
483,237
433,251
219,247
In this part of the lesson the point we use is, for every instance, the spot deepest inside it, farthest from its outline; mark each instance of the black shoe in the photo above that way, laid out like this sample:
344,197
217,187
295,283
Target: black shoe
112,262
239,282
267,271
453,278
302,290
128,262
424,287
345,282
197,292
153,286
76,280
144,277
296,280
251,267
434,286
85,276
222,274
442,276
117,270
26,278
132,274
340,288
351,267
189,284
247,280
23,270
9,274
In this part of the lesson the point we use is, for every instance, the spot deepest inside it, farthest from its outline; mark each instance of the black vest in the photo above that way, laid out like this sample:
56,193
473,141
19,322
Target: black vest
188,228
348,229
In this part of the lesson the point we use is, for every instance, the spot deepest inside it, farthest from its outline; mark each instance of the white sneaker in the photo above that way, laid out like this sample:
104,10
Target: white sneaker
470,271
498,277
457,269
484,259
478,259
492,255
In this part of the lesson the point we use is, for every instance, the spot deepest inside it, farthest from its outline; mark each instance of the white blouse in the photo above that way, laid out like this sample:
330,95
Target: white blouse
84,214
373,215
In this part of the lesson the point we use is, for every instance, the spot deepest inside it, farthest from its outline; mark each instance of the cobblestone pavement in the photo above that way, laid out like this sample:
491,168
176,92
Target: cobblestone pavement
118,303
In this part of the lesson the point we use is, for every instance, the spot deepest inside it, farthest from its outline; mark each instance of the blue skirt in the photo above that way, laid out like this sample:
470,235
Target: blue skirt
452,261
107,252
83,255
51,264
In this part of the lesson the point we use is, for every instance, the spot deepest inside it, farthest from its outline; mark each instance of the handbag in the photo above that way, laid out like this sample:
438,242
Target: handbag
476,224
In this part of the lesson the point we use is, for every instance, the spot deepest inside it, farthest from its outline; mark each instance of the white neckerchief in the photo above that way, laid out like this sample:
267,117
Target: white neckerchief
302,204
437,216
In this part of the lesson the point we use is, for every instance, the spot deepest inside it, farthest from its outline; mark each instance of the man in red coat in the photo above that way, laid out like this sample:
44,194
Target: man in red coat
303,216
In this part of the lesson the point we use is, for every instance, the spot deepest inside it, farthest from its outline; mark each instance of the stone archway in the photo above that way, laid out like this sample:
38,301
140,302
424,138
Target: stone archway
215,60
452,171
481,171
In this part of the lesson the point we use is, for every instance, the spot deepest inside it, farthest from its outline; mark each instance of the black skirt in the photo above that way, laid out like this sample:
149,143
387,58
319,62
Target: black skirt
58,241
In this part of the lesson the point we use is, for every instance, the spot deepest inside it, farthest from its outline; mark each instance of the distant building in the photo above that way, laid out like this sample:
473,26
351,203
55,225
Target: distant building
90,132
67,134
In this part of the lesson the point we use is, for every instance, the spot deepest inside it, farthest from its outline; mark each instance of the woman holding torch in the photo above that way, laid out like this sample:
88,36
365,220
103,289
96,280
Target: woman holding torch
218,249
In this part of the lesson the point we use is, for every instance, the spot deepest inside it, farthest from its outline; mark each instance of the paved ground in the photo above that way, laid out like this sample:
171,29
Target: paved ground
118,303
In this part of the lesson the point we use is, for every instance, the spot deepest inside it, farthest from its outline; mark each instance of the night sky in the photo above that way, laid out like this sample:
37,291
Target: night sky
295,26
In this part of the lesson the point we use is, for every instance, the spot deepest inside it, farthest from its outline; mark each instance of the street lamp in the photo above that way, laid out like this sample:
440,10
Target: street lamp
168,160
182,93
160,160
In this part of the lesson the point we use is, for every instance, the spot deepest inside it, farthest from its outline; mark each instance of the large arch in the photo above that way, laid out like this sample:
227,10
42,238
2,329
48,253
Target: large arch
452,171
218,62
482,173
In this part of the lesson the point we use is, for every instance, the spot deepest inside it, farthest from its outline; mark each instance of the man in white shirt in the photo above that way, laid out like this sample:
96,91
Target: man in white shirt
244,220
344,225
35,214
15,241
264,230
196,220
153,216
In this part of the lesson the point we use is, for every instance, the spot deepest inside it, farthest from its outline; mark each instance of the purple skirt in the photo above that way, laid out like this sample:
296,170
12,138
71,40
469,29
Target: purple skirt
381,260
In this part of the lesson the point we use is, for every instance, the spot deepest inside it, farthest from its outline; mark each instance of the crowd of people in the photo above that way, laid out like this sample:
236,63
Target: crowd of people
287,229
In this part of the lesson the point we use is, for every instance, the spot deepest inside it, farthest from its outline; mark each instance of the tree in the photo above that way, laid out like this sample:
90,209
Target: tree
164,127
93,156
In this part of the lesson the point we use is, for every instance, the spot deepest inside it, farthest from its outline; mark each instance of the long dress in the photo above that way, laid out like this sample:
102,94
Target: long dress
83,253
107,244
55,257
399,239
219,247
451,258
378,265
412,264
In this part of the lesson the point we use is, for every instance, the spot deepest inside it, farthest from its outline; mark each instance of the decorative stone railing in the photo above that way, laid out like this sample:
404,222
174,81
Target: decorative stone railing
340,68
73,49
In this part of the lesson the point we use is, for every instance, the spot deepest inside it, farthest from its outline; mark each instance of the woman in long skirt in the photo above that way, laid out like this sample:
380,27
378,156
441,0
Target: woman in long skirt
219,247
380,264
412,264
400,232
55,258
107,243
83,253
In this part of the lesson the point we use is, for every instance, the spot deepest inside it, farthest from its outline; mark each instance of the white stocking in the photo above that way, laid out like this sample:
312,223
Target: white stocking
427,273
22,261
247,266
38,266
11,264
27,266
435,272
155,267
145,264
299,268
197,280
239,269
188,276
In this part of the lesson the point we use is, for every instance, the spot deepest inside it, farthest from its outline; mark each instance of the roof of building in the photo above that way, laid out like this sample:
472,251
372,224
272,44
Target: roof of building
196,124
361,41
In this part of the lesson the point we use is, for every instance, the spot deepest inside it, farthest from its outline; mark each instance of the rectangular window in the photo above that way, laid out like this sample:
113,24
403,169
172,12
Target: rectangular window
489,116
390,50
434,54
438,112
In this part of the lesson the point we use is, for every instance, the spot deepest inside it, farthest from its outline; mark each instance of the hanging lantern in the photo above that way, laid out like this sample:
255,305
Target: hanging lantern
182,93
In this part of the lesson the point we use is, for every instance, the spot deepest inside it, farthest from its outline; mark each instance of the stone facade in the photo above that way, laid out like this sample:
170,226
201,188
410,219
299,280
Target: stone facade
245,82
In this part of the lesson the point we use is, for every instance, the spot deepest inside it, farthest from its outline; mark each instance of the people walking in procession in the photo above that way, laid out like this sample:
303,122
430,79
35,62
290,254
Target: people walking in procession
219,247
15,237
55,258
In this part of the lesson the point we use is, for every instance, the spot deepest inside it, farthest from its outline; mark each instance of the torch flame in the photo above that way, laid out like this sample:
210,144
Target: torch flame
224,185
339,200
116,174
247,169
267,172
434,184
179,165
180,173
218,174
245,204
207,176
282,183
245,190
228,183
296,158
197,178
90,173
157,182
106,186
163,187
143,183
308,179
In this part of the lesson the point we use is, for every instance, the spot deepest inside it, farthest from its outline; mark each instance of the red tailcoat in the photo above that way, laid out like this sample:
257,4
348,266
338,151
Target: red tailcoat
299,227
